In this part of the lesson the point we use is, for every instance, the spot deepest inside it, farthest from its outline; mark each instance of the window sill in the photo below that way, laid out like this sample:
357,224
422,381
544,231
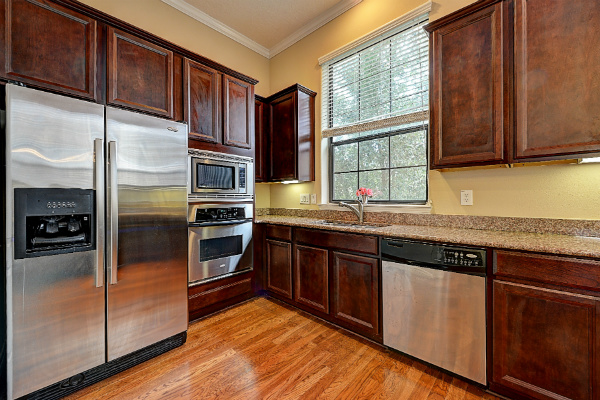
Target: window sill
389,208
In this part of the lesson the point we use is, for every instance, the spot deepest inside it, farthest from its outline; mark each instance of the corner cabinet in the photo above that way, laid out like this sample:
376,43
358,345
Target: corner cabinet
50,46
546,326
261,122
278,259
292,135
469,86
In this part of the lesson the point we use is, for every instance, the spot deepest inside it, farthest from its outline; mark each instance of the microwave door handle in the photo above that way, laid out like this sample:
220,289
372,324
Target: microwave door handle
99,187
113,213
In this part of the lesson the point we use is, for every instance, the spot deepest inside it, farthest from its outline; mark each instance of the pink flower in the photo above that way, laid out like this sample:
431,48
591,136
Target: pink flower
364,192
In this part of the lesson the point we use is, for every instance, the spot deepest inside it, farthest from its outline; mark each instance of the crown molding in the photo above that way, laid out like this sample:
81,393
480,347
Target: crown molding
313,25
218,26
422,9
298,35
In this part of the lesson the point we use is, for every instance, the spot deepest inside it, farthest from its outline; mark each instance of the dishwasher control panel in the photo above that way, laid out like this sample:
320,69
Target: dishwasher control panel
463,257
435,255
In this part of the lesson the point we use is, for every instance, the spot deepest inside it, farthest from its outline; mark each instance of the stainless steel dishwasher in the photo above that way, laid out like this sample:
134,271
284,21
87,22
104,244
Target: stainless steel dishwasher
434,302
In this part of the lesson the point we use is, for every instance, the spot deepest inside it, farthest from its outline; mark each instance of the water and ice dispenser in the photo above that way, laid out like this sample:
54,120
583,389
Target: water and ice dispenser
53,221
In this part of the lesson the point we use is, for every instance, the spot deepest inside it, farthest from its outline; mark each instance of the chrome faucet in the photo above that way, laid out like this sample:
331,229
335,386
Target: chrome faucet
358,211
362,198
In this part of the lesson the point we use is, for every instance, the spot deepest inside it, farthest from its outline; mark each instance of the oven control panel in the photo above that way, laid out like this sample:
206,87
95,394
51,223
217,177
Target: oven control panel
464,257
220,214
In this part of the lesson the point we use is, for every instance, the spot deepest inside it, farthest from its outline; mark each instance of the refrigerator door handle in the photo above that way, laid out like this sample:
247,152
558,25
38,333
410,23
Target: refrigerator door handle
99,187
113,213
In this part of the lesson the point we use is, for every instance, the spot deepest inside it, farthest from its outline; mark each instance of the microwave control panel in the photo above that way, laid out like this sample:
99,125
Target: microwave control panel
242,174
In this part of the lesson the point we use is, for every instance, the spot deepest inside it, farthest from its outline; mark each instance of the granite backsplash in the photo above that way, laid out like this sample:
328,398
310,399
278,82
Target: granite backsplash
573,227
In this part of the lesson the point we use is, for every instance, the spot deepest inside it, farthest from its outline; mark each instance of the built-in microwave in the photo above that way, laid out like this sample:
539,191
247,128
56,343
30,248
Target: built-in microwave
216,174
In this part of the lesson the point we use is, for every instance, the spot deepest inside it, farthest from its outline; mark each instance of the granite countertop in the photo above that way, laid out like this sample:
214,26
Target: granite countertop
539,242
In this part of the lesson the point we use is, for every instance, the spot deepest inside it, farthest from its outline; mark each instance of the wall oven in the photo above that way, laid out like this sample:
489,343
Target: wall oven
220,240
218,175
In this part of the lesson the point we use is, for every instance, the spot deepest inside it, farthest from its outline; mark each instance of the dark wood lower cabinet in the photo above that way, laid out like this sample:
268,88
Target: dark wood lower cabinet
355,300
339,287
213,296
279,268
545,342
311,277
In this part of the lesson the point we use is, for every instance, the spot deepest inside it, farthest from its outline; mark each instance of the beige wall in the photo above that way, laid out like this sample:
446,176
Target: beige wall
163,20
551,191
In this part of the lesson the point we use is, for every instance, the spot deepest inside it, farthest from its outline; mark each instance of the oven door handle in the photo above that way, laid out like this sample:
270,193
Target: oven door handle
222,223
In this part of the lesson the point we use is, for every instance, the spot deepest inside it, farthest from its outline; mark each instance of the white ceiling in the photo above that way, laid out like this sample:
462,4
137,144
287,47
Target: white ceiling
265,26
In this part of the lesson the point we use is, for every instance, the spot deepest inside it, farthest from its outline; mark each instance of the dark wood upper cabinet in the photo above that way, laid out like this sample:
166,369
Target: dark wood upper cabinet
469,86
49,46
311,277
202,101
556,78
261,122
238,112
292,135
545,342
219,110
355,300
140,74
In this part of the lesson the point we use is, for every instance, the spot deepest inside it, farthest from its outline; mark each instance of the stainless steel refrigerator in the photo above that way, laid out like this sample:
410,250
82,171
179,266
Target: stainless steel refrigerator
96,238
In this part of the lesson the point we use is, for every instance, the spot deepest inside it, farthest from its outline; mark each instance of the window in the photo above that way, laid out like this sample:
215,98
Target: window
375,112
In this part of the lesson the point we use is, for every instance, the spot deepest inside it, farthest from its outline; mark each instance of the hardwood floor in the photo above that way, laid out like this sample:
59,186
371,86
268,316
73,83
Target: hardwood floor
266,350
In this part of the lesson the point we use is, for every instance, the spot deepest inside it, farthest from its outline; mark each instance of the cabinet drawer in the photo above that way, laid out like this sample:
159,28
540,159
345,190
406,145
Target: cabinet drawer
336,240
565,271
279,232
212,293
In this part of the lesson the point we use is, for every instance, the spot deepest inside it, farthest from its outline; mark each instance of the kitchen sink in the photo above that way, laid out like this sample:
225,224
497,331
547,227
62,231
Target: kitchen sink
350,224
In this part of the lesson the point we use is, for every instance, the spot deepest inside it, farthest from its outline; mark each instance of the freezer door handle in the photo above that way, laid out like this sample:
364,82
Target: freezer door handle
99,187
113,213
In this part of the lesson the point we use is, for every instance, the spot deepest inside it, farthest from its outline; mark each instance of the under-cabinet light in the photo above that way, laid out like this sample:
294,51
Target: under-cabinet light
286,182
589,160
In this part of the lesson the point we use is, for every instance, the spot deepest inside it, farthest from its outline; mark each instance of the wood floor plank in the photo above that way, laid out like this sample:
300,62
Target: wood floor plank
263,349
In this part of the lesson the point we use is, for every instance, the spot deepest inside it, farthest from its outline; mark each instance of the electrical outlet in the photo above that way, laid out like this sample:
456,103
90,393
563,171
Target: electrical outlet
466,197
305,198
313,198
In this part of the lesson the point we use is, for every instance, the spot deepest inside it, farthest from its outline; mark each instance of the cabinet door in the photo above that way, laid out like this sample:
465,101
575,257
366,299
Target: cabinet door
545,342
556,77
469,77
140,74
356,292
202,101
49,46
238,113
311,278
282,138
260,140
279,268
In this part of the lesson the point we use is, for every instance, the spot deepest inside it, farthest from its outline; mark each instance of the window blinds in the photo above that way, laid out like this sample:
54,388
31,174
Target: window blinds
382,84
